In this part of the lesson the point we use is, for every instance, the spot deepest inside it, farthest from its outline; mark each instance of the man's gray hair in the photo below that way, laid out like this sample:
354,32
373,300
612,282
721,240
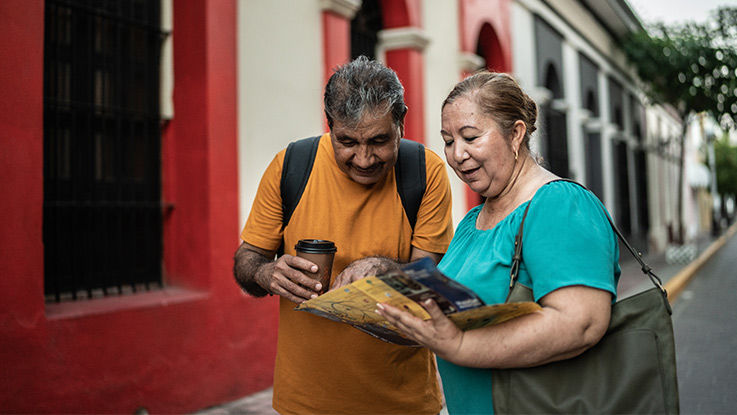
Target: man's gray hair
362,86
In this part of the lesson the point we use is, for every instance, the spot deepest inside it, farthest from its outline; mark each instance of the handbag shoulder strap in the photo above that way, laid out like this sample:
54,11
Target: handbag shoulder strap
646,269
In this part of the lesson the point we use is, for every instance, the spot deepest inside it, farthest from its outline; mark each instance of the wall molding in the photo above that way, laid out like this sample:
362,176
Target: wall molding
403,38
345,8
470,62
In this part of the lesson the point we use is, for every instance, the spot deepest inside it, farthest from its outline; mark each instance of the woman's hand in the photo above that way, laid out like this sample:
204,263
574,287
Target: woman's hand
438,334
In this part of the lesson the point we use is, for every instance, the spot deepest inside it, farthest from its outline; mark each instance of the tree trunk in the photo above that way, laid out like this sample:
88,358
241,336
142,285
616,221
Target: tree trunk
723,209
679,203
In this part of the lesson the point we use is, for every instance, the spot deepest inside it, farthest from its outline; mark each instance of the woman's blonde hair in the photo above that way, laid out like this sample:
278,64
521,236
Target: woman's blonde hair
499,96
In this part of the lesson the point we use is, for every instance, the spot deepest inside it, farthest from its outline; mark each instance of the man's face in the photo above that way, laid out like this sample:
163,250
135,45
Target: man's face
367,151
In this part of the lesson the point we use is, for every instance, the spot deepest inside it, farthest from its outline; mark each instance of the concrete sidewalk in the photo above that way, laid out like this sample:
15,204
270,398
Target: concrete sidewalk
257,404
675,277
633,280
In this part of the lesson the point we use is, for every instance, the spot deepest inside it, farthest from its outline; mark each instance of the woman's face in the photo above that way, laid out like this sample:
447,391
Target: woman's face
475,147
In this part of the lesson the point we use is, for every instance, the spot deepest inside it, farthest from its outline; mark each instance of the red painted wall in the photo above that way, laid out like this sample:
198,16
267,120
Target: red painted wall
196,344
336,42
408,64
21,149
336,47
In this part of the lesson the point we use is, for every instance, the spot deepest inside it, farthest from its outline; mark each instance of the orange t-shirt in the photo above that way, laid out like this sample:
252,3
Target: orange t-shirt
328,367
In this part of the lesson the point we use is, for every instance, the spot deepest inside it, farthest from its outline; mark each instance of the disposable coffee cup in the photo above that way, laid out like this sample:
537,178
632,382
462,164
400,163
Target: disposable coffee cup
321,253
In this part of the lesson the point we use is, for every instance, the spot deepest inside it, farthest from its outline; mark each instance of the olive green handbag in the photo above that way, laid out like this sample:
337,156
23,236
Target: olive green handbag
632,370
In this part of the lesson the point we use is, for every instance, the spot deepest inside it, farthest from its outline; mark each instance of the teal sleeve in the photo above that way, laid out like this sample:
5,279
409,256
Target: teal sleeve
568,240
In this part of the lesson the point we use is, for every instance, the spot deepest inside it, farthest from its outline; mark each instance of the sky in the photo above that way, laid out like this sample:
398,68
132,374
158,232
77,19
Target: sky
674,11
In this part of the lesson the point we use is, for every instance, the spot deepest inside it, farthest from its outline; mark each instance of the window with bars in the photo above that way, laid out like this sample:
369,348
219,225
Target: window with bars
102,223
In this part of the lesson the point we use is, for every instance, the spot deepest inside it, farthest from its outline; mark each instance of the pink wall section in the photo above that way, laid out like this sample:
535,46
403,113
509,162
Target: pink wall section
408,64
474,14
195,344
486,22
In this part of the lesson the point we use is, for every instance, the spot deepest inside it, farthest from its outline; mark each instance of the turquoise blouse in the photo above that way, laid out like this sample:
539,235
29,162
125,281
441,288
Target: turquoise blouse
566,241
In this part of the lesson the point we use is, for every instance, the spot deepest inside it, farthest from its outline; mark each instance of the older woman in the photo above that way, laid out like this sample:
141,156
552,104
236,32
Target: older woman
570,256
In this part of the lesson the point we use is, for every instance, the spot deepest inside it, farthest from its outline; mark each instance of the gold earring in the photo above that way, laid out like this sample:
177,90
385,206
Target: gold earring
515,155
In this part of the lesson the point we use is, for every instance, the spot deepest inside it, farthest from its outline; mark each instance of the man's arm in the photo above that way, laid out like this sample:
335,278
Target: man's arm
258,274
248,259
418,253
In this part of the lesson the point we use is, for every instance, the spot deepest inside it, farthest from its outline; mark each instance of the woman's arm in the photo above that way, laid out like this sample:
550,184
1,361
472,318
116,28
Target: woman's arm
572,319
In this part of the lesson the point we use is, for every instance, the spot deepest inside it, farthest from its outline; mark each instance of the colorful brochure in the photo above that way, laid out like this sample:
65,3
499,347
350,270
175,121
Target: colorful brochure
406,288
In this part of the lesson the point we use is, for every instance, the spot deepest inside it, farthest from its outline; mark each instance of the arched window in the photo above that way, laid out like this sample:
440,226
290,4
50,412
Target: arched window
489,48
591,103
618,116
552,81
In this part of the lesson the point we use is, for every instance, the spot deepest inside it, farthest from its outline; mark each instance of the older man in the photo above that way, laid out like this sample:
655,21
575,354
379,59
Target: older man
350,198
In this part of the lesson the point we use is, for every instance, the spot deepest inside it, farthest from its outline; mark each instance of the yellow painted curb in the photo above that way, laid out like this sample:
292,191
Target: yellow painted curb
676,284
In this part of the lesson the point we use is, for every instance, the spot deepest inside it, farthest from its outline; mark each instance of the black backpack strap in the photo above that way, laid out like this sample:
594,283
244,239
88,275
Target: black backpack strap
517,257
298,161
411,177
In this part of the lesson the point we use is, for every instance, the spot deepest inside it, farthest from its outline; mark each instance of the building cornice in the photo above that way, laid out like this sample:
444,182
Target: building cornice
345,8
541,95
470,62
403,38
559,104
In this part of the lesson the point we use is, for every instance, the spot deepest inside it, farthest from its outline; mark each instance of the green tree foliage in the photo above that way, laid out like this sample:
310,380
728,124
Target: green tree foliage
692,67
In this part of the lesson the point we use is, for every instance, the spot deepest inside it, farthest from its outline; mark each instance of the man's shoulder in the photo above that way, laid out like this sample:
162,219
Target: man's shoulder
435,167
304,149
431,158
277,164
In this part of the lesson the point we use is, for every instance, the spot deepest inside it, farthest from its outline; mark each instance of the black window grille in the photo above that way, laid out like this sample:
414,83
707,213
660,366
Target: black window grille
594,179
555,146
641,184
642,190
622,187
102,224
557,142
365,28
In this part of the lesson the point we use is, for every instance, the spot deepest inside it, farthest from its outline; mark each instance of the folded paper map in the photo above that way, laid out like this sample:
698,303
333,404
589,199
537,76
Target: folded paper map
405,288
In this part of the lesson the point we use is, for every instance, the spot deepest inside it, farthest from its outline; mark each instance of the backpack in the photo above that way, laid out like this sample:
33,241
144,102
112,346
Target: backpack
409,170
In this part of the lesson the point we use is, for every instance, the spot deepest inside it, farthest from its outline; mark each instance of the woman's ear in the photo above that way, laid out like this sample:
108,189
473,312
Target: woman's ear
519,129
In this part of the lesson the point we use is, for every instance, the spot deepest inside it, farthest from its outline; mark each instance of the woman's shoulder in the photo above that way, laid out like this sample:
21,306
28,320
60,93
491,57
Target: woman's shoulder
564,192
470,218
566,203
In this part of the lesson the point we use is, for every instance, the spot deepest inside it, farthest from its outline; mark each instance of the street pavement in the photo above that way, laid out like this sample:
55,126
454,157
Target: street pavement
704,320
705,326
